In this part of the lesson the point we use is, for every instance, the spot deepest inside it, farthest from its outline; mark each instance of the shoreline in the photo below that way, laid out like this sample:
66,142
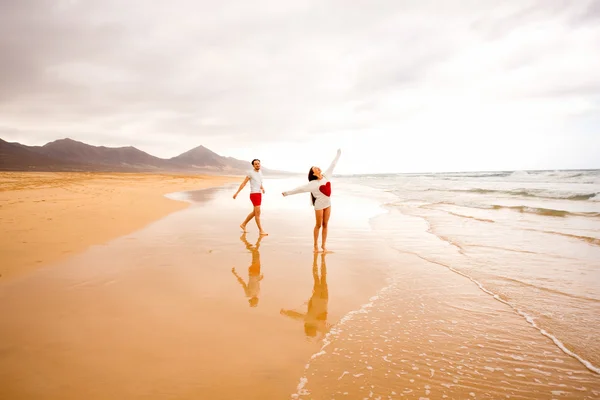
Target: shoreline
114,316
49,216
165,295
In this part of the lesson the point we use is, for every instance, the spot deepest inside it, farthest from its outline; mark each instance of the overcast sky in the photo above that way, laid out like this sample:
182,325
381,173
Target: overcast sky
400,86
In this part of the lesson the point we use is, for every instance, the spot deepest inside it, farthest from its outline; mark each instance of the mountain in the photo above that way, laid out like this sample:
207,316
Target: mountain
17,157
201,157
71,155
111,157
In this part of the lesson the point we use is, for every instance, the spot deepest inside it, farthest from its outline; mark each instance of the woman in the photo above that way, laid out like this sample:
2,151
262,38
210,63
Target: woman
315,318
319,186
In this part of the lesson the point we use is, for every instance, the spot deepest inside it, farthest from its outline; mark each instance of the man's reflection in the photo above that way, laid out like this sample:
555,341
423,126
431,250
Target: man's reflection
252,288
315,318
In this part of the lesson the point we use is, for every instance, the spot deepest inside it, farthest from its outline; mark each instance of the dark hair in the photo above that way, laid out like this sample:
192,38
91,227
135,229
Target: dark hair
312,177
256,159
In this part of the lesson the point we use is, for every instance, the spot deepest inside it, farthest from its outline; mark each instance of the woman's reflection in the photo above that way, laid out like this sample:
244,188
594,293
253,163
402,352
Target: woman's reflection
315,319
252,288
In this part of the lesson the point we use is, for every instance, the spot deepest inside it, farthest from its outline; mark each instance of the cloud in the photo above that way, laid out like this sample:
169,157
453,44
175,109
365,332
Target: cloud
168,76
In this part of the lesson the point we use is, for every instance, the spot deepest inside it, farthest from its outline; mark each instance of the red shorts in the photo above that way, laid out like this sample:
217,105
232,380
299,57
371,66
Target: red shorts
256,199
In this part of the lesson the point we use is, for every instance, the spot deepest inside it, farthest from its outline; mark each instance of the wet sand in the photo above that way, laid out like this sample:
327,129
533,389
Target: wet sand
159,314
48,216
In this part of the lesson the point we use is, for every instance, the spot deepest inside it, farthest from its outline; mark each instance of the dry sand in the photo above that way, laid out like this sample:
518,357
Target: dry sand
47,216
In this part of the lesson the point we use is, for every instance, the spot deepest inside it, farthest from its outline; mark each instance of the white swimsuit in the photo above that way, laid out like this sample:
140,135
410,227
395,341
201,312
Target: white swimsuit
320,188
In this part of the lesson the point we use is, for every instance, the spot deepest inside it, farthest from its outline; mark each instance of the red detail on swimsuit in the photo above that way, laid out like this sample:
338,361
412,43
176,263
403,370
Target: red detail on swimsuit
326,189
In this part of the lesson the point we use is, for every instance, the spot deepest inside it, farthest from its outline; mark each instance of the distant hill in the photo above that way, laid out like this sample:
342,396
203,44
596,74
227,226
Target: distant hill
17,157
71,155
200,157
124,157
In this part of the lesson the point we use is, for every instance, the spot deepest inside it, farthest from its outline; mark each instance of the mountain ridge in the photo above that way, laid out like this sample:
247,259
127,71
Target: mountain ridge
67,154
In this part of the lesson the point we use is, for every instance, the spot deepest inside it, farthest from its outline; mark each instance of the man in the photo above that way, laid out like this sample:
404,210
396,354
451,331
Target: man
256,191
252,288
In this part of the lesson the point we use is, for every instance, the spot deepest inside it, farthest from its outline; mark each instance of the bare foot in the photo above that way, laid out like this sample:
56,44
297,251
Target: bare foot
325,250
263,233
243,228
316,249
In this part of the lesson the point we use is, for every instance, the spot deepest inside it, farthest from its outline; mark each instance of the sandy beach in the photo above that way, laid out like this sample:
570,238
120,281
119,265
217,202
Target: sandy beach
48,216
159,313
167,311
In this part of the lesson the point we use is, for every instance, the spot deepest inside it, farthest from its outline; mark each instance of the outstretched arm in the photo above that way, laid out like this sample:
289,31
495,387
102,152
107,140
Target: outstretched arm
302,189
239,279
329,170
292,314
241,186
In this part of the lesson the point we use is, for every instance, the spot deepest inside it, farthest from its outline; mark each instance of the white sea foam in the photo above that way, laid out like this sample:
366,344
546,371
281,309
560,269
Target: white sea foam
331,336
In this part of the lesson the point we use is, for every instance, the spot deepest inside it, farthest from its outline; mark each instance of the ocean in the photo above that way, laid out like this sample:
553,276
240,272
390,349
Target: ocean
528,240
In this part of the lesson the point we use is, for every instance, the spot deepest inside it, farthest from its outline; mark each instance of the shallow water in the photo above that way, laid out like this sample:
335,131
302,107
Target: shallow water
528,241
531,238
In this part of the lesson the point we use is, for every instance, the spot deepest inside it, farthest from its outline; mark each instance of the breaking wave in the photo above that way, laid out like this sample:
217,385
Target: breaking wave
542,194
549,212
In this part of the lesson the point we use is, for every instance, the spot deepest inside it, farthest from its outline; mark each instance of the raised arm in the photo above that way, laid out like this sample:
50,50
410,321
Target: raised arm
329,170
302,189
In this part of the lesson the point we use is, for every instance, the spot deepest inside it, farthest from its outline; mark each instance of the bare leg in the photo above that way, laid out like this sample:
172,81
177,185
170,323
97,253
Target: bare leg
257,219
318,224
324,275
326,215
248,218
315,271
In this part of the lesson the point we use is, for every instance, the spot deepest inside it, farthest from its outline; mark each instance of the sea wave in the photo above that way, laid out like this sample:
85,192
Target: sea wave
573,176
547,289
549,212
530,319
543,194
557,175
471,217
455,176
588,239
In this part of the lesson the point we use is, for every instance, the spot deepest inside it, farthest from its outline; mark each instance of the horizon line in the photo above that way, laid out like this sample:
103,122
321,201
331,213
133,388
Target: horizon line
337,174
